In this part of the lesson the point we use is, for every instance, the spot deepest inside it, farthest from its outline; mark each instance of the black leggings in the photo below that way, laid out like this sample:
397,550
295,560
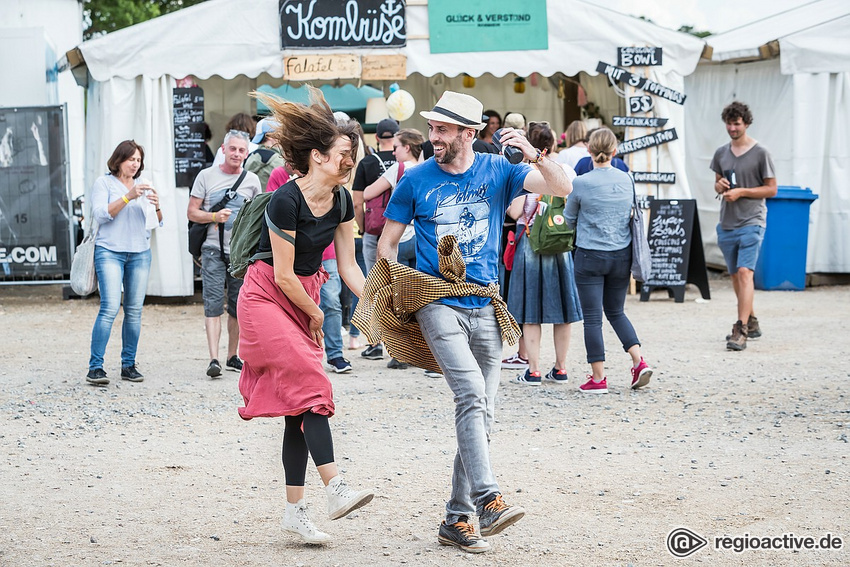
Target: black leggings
315,438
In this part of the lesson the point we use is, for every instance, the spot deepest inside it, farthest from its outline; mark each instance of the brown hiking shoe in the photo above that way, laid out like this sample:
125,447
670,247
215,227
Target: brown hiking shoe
738,339
753,329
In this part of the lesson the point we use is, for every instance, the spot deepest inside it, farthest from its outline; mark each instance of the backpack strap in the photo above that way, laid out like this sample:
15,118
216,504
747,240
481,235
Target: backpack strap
400,172
343,202
277,231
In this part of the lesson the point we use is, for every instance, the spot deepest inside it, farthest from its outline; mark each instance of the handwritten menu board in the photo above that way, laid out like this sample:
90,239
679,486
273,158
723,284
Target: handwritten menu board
676,244
188,134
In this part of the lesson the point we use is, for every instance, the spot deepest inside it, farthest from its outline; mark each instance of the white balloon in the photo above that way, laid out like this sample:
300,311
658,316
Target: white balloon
400,105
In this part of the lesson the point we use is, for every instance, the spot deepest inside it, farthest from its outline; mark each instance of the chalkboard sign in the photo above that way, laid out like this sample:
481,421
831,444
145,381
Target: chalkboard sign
676,244
188,135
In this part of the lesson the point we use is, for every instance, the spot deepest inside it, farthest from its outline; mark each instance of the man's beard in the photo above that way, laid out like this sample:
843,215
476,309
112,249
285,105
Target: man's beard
451,151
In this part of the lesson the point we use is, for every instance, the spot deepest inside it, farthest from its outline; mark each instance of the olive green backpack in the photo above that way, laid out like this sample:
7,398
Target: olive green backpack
550,233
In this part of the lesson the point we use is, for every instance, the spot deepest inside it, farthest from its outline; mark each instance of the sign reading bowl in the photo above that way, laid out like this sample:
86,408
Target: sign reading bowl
310,24
487,25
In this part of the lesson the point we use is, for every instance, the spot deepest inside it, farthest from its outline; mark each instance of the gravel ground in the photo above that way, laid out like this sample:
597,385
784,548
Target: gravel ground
165,473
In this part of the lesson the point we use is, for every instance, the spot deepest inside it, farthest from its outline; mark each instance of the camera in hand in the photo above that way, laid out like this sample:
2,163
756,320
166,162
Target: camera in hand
514,155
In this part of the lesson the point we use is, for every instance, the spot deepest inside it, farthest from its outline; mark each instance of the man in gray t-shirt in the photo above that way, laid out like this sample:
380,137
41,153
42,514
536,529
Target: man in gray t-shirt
744,178
209,189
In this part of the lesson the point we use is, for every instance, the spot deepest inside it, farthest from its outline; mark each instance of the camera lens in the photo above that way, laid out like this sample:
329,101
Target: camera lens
513,155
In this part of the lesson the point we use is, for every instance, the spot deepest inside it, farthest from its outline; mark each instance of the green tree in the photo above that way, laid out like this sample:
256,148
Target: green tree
104,16
690,30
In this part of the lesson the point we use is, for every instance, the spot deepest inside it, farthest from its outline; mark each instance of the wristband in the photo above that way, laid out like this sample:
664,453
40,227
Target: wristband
157,210
213,217
539,156
125,199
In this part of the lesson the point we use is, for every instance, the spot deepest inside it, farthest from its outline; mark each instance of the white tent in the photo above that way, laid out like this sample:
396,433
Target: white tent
793,70
231,46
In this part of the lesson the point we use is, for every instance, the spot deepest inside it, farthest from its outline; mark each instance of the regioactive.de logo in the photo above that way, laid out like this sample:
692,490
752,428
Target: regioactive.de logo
682,542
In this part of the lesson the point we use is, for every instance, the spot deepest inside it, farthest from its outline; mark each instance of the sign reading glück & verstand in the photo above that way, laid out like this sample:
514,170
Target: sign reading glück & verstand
487,25
310,24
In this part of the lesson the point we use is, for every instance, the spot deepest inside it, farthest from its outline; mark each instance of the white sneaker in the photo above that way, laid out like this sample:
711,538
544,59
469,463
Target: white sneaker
432,374
296,521
343,500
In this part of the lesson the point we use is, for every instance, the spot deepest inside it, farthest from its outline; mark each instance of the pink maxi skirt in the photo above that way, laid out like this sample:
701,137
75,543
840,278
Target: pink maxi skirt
283,372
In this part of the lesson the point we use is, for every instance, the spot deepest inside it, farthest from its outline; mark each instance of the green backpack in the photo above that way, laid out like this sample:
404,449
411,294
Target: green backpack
550,233
245,235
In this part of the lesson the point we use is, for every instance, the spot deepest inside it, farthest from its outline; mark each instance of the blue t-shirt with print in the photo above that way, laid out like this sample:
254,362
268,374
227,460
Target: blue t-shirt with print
470,205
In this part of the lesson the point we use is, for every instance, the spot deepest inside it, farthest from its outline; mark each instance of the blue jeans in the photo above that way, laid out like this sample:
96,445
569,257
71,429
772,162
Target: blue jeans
467,345
740,246
331,307
358,256
113,269
407,253
602,279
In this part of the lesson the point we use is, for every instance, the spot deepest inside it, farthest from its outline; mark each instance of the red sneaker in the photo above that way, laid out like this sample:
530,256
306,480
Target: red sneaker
591,387
641,375
515,361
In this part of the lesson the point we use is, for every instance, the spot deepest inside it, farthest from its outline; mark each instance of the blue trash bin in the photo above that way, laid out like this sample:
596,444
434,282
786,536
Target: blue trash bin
782,260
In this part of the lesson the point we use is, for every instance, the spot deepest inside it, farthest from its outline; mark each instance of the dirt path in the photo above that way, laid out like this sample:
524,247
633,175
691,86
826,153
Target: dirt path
165,473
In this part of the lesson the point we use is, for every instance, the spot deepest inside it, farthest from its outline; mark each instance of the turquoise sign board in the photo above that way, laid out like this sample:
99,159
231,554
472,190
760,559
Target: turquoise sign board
487,25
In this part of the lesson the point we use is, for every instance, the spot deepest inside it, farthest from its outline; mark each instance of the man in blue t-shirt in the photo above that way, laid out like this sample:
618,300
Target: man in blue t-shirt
466,194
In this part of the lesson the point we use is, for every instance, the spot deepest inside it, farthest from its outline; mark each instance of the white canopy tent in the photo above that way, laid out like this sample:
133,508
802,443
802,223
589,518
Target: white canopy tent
793,70
231,46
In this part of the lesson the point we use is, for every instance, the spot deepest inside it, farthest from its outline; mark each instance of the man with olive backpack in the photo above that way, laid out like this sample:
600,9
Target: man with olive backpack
368,171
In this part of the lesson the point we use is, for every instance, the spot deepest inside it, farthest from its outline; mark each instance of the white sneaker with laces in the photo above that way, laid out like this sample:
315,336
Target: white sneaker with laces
296,521
342,500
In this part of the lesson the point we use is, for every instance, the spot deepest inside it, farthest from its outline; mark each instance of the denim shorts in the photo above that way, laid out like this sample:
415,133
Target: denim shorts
740,246
215,278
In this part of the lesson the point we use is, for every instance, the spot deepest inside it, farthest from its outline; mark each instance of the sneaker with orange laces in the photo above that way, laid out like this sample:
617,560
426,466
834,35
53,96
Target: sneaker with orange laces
497,516
592,387
462,534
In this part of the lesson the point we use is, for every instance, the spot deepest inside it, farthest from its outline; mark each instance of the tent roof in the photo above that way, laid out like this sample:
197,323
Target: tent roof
813,37
241,37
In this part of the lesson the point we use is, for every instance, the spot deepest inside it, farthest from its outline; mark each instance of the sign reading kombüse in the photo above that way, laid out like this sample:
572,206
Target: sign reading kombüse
356,23
640,83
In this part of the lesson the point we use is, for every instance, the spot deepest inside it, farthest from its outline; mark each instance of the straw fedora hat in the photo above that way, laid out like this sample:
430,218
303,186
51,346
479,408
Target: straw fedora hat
457,108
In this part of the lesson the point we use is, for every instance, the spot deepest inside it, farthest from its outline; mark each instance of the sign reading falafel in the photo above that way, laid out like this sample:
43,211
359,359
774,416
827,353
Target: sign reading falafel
321,67
487,25
637,144
639,56
641,83
308,24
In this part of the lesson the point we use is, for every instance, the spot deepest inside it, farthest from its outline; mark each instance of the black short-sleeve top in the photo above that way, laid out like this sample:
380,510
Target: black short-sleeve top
288,210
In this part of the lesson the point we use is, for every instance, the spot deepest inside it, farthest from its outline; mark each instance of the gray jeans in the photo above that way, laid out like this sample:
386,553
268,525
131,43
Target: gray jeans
370,251
467,345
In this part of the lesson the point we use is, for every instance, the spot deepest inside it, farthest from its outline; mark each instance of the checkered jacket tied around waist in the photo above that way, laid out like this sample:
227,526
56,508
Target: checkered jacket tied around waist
394,292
